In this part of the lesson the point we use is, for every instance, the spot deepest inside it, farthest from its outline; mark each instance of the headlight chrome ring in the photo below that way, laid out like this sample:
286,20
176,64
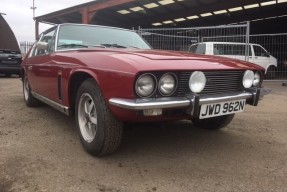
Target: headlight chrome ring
167,84
257,79
146,85
197,81
248,79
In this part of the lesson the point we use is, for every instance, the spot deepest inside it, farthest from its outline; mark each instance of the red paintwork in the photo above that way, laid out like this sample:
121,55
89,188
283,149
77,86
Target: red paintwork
115,71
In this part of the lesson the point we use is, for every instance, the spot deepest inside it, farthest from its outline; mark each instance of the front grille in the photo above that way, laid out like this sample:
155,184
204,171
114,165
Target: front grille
217,82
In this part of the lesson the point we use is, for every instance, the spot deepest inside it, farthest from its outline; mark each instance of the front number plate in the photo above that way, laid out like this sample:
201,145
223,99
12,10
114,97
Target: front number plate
222,108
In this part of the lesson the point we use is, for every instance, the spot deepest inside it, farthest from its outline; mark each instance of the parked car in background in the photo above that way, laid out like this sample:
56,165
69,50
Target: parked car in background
257,54
10,55
10,61
108,77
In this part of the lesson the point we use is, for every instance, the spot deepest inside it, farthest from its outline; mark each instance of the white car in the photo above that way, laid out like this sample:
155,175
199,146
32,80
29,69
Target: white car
257,54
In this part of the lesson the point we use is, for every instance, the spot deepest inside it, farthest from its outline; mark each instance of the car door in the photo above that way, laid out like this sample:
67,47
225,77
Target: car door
42,70
261,56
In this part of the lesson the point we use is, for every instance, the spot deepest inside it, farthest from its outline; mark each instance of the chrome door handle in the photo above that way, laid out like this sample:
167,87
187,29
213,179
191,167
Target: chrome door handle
30,67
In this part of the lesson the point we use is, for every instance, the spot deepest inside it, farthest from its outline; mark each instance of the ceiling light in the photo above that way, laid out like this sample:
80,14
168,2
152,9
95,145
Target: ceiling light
156,24
205,14
136,9
168,22
257,20
268,3
281,1
271,17
219,12
235,9
251,6
151,5
123,11
193,17
166,2
180,19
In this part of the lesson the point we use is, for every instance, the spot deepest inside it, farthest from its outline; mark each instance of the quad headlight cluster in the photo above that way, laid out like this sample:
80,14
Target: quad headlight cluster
251,79
147,84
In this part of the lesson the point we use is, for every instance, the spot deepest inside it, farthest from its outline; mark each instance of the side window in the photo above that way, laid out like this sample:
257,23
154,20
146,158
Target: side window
259,51
49,38
197,48
230,49
192,48
201,49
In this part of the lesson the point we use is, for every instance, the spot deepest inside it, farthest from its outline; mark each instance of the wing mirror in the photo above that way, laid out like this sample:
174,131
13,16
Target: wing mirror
268,54
42,45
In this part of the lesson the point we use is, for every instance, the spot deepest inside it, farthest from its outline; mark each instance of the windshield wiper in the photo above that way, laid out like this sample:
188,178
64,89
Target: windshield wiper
102,45
72,45
114,45
134,47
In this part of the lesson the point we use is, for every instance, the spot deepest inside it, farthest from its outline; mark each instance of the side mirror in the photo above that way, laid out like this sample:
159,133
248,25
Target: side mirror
42,45
268,54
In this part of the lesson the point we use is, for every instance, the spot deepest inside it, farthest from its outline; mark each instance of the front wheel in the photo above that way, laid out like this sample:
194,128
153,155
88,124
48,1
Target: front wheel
100,132
214,123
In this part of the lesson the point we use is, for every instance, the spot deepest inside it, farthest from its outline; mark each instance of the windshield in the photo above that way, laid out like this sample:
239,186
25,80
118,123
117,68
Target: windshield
83,36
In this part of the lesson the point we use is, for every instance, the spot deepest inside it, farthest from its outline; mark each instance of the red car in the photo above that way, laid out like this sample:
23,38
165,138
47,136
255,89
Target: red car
108,76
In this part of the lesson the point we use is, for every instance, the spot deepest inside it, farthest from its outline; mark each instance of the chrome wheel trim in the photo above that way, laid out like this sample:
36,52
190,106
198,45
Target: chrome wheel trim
26,89
87,117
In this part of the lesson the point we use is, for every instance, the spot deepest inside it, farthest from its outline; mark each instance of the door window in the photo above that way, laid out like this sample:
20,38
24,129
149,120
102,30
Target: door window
48,37
197,48
230,49
259,51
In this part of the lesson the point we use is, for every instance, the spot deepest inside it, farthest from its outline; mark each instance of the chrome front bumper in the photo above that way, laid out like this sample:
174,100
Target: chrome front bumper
193,101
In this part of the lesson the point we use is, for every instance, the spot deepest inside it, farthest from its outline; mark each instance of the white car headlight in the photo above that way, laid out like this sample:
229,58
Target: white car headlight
248,79
145,85
167,84
257,79
197,81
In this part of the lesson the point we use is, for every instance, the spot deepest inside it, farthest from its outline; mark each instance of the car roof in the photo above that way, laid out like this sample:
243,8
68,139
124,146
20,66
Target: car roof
221,42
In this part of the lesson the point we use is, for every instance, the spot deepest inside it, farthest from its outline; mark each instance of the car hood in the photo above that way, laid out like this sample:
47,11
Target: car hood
134,60
181,60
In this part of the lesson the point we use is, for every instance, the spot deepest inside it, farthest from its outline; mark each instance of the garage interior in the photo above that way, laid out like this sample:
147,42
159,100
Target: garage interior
267,18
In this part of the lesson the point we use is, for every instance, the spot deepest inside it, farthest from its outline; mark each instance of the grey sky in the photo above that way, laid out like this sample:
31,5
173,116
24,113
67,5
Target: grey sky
19,15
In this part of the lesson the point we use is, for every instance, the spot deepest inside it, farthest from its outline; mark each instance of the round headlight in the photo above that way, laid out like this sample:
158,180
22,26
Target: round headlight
145,85
167,84
197,81
248,79
257,79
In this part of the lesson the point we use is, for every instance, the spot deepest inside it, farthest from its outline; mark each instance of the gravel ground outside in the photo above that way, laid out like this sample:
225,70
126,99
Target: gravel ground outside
40,151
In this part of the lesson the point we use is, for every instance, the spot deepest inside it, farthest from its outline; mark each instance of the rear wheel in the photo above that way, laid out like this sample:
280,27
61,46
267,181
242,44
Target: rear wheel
29,99
100,132
214,123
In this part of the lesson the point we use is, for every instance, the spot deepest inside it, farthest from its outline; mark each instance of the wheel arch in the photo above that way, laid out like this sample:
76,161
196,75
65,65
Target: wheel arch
75,81
270,65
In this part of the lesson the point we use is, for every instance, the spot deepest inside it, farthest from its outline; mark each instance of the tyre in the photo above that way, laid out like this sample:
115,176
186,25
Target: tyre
29,99
271,72
99,131
214,123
